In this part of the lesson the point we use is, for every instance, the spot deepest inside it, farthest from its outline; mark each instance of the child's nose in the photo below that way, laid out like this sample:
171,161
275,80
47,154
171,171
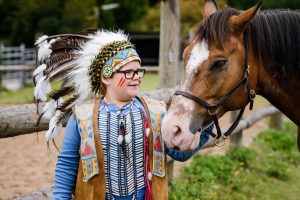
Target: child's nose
135,76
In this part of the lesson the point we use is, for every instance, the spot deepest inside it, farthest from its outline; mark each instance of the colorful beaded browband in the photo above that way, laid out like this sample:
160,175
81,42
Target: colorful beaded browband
111,58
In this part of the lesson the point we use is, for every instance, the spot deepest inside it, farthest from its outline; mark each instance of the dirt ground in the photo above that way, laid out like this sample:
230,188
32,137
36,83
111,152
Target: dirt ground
26,164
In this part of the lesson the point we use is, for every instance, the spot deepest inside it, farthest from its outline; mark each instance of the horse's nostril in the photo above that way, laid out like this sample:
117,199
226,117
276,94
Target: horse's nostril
177,138
176,148
177,131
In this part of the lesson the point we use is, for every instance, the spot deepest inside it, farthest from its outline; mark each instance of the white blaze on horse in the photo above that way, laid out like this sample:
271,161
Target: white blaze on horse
233,56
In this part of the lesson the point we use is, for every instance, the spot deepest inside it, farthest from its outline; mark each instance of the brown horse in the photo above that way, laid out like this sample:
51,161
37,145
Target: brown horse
233,56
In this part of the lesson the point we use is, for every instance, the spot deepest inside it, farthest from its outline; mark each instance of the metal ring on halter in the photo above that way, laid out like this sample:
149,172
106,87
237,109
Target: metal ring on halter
221,143
214,112
252,95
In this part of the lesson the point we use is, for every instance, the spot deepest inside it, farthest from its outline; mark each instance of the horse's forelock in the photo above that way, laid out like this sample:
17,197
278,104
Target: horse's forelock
215,29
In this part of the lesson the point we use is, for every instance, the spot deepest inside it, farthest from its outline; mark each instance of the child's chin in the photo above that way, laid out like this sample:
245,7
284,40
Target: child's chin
133,93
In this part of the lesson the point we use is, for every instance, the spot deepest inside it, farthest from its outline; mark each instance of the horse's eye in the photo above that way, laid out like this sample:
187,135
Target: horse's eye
218,64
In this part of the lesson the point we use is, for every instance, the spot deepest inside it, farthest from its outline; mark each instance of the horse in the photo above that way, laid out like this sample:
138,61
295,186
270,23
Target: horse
233,56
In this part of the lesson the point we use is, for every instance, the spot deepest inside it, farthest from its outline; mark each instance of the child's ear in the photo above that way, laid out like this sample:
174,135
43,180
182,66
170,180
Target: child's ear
104,80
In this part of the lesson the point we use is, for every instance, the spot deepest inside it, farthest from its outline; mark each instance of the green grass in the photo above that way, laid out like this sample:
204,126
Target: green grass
150,82
269,170
25,95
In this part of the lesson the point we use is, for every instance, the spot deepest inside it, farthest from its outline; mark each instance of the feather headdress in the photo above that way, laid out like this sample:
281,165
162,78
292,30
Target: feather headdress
78,60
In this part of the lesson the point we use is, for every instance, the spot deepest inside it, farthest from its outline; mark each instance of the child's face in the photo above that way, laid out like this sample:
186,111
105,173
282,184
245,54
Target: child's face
121,87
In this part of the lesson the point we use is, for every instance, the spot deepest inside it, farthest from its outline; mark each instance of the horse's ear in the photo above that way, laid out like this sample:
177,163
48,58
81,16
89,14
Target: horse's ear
209,8
239,23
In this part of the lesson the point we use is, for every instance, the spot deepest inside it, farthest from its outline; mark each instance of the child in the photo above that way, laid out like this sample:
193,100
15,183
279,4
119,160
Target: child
112,146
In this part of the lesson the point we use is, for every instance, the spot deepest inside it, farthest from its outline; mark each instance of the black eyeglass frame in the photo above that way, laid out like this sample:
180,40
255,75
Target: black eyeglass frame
135,72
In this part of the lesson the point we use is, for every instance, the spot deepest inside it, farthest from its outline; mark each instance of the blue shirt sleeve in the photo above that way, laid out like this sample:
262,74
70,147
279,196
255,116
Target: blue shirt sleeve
185,155
67,163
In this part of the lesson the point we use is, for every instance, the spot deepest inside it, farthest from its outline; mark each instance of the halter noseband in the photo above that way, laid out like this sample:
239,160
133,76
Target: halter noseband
213,108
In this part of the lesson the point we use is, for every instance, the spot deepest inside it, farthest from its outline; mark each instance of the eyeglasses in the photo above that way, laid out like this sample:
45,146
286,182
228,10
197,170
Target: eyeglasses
129,74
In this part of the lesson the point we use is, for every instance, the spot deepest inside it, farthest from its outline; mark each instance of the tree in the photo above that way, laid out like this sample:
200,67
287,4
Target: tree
121,17
20,20
267,4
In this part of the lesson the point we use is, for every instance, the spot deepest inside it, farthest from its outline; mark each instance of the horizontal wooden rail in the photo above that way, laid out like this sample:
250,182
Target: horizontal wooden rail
4,68
21,119
248,122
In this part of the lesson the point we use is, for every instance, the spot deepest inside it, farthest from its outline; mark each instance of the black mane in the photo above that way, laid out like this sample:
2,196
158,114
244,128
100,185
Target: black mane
273,35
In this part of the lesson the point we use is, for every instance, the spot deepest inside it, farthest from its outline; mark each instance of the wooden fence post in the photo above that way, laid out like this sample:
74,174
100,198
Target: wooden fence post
170,163
1,48
23,78
169,43
236,138
169,48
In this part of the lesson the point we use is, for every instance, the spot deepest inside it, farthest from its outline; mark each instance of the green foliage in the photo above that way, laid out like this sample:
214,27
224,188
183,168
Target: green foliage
190,14
267,4
127,12
276,140
269,170
277,169
244,156
22,19
207,168
3,89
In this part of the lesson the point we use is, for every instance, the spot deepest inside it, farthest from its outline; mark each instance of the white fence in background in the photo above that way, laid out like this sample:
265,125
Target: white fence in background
16,65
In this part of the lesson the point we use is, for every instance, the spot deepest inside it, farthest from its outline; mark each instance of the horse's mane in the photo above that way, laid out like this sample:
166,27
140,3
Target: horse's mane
273,36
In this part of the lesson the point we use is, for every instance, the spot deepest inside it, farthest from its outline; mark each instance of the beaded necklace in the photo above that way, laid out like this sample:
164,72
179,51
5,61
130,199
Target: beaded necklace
130,148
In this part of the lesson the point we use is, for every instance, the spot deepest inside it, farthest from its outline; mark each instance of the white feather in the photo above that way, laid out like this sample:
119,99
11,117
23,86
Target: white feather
41,89
40,69
147,132
53,132
50,107
120,139
41,39
54,128
38,72
38,77
81,81
44,50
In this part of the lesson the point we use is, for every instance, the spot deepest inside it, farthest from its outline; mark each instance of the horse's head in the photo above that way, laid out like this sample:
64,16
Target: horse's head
214,64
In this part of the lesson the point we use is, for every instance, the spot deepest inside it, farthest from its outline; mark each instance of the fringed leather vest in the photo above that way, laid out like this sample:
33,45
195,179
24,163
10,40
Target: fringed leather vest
91,183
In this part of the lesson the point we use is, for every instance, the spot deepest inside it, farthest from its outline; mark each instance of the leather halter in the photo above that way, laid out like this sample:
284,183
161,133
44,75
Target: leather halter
212,109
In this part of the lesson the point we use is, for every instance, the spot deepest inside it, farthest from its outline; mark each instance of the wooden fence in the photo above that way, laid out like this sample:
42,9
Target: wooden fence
16,62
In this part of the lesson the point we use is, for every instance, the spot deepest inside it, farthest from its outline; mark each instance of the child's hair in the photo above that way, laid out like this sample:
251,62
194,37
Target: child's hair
102,91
